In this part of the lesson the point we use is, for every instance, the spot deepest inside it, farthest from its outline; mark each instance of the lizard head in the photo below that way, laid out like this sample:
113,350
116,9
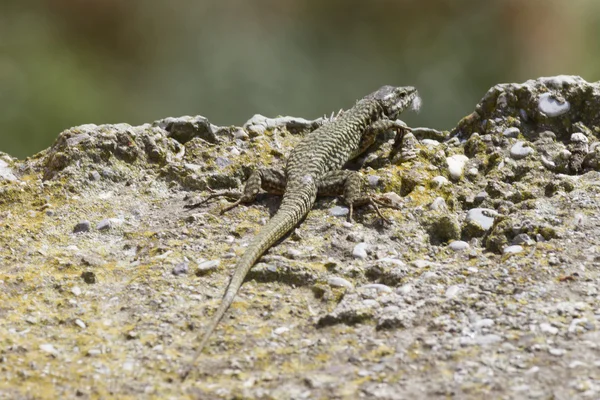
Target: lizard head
395,99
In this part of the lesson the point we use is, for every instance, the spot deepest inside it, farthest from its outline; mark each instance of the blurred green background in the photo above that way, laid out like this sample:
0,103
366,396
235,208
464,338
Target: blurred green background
69,62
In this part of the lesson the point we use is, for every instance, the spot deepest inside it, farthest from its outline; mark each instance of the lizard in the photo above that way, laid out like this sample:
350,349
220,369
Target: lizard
313,168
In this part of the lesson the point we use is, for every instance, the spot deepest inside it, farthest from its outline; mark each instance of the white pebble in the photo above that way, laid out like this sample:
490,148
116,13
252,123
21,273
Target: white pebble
80,323
360,251
511,132
48,348
76,290
520,150
336,281
378,287
484,217
557,352
281,330
513,249
452,291
579,137
547,328
438,204
458,245
456,165
439,181
552,107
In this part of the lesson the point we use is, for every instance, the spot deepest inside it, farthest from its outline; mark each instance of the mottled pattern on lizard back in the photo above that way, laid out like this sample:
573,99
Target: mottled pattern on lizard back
329,147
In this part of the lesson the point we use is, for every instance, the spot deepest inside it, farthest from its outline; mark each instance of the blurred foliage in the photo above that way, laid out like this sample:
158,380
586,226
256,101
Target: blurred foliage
70,62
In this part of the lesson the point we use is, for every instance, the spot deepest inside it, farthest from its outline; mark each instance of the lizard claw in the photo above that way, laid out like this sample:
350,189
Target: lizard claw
232,195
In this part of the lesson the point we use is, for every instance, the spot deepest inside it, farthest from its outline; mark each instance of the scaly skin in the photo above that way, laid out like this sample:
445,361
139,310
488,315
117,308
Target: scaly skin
309,170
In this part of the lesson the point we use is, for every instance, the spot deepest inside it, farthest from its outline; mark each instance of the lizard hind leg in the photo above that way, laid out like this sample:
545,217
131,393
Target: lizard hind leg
270,180
351,185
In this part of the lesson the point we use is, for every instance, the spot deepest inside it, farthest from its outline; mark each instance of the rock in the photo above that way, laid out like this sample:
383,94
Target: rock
458,245
83,226
551,106
523,238
511,132
376,286
456,165
339,211
88,277
438,204
104,225
207,267
439,181
452,291
49,348
513,249
479,221
579,137
481,196
373,180
360,251
181,268
6,172
520,150
338,282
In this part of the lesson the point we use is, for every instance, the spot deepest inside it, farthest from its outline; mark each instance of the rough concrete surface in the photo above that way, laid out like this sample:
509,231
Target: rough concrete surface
484,284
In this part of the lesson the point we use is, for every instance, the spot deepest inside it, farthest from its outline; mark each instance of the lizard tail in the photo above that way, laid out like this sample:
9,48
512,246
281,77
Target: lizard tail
294,207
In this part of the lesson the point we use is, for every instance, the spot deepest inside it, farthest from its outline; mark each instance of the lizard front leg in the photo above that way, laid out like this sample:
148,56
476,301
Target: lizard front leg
371,135
270,180
351,185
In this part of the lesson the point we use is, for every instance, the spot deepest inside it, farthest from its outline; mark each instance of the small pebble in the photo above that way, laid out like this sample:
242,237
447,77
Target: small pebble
104,225
88,277
452,291
94,176
76,290
281,330
513,249
339,211
83,226
294,254
551,106
579,137
360,251
547,328
511,132
481,196
484,217
523,238
484,340
547,135
181,268
378,287
339,282
207,267
48,348
484,323
456,165
520,150
438,204
80,323
557,352
240,134
373,180
430,142
458,245
404,289
439,181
